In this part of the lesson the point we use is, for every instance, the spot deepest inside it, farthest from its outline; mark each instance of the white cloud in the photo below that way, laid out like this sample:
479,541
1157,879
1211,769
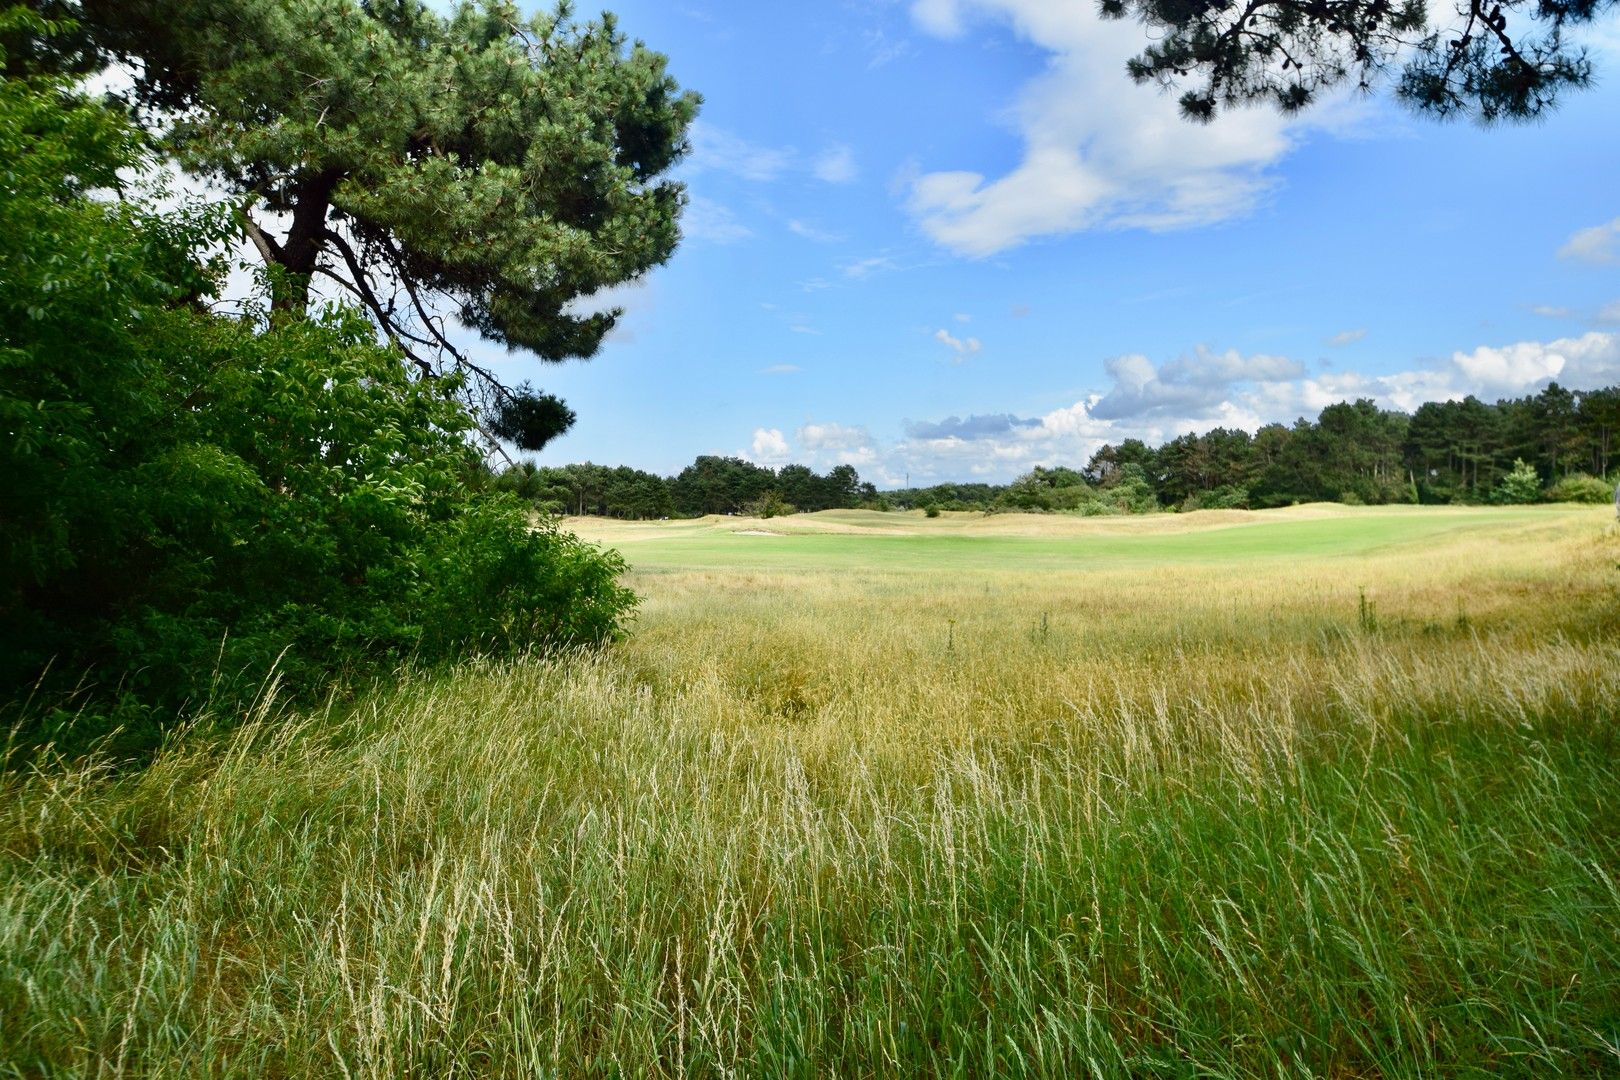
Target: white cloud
942,18
862,268
1194,387
836,165
1194,393
963,348
1347,337
880,50
1610,312
719,150
637,301
1551,312
811,232
834,437
962,318
1599,245
705,219
826,445
770,447
780,369
1099,150
814,233
1588,361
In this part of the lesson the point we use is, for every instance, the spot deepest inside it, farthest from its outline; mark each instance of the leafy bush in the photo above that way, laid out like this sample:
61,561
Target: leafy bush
1580,488
1225,497
1520,485
191,500
1132,491
769,505
931,511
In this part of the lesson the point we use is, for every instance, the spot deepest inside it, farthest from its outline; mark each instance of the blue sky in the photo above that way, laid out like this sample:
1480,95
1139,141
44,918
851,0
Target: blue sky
949,240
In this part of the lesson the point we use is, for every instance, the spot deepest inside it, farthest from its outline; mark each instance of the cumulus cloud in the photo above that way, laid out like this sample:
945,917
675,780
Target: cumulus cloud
1347,337
1191,386
834,437
1205,389
1587,361
1099,151
1599,245
839,444
1194,393
972,427
836,165
962,347
770,447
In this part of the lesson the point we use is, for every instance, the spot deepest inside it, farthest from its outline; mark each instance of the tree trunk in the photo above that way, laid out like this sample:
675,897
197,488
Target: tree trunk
300,251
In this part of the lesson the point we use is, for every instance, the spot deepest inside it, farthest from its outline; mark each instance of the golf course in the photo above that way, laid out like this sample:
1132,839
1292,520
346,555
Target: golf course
1320,791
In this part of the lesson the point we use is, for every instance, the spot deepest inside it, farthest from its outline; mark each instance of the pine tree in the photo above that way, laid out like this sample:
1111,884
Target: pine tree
474,166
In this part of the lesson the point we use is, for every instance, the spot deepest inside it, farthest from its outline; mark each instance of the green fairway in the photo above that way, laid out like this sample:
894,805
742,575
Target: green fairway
865,540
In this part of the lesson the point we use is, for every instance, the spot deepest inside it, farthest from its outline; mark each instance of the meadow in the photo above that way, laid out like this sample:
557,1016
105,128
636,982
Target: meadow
1324,791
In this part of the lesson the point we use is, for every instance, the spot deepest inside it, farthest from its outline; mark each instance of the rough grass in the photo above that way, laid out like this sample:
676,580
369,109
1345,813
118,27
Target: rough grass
1348,813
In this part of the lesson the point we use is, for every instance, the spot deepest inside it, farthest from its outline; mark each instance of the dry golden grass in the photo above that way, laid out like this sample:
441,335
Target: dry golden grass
848,813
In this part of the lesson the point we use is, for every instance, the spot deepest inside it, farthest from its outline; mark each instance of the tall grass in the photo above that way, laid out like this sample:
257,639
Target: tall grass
1202,823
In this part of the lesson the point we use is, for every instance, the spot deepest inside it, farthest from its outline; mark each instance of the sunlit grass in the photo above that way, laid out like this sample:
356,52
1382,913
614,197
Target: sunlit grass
1206,816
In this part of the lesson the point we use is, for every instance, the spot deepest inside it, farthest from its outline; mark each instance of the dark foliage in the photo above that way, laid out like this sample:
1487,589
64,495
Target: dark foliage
710,485
190,501
529,419
1506,60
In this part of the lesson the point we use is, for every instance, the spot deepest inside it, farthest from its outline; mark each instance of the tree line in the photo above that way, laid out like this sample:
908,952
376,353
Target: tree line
710,485
1558,444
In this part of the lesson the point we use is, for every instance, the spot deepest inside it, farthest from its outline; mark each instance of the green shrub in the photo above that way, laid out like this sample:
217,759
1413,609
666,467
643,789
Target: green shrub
194,500
1580,488
1225,497
1520,485
931,511
769,505
1132,491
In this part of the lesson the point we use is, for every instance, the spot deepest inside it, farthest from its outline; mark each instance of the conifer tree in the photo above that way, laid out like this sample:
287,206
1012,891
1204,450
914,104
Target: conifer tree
476,166
1490,59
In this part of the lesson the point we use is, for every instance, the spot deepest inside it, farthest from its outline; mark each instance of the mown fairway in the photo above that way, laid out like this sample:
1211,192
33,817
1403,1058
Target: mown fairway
1323,791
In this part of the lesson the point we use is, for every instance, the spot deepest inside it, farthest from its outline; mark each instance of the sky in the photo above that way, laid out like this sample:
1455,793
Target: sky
949,240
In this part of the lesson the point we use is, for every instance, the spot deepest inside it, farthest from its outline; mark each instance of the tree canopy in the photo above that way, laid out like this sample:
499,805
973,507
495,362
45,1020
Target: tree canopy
1495,60
476,165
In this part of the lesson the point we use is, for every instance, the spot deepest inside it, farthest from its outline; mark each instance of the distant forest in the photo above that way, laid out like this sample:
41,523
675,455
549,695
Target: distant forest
1556,445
